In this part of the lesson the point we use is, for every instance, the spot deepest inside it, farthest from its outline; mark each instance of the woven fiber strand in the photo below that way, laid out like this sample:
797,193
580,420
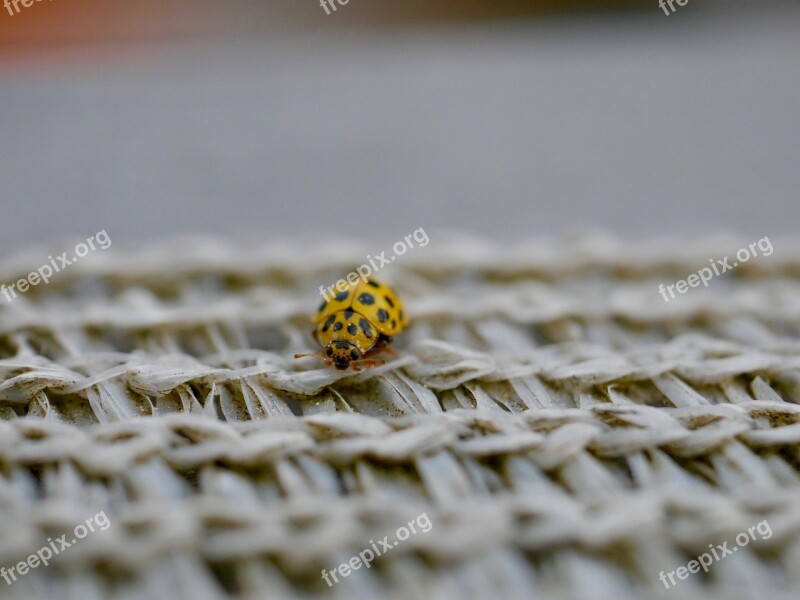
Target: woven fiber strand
567,432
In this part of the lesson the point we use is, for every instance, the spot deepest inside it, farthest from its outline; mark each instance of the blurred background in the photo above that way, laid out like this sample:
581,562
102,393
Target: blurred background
507,119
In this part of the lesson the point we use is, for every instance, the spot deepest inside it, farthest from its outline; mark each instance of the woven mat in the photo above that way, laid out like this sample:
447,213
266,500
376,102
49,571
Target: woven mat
566,432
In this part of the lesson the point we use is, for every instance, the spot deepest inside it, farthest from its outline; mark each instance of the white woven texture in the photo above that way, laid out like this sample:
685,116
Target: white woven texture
567,432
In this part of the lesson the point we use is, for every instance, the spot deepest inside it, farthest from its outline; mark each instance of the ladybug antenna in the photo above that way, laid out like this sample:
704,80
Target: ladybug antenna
321,354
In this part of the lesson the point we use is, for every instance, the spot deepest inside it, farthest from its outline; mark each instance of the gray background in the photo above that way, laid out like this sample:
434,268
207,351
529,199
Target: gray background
639,123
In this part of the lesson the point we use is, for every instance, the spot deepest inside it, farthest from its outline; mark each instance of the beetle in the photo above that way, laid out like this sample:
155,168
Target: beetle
358,323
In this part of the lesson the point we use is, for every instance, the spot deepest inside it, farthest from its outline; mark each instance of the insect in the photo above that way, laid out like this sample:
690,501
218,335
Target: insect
358,323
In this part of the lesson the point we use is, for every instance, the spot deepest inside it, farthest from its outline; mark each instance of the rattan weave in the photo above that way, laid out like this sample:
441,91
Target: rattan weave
567,432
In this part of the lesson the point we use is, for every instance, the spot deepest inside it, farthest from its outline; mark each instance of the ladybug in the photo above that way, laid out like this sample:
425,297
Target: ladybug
357,323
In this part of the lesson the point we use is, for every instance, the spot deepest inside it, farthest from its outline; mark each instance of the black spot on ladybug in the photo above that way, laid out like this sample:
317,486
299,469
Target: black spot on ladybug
328,323
394,323
365,328
373,284
343,345
338,326
352,329
354,354
389,301
383,316
322,306
366,299
329,351
348,313
342,295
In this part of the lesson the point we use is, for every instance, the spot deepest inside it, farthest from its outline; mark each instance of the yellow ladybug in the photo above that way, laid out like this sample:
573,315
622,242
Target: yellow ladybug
358,322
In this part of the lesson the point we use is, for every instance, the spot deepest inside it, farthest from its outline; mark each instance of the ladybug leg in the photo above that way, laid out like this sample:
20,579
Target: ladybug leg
367,362
372,351
379,347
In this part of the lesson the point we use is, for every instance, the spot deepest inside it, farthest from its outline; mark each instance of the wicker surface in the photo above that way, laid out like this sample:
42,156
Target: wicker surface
567,432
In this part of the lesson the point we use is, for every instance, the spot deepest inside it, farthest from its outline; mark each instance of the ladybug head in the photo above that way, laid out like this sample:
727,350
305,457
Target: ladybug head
342,354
